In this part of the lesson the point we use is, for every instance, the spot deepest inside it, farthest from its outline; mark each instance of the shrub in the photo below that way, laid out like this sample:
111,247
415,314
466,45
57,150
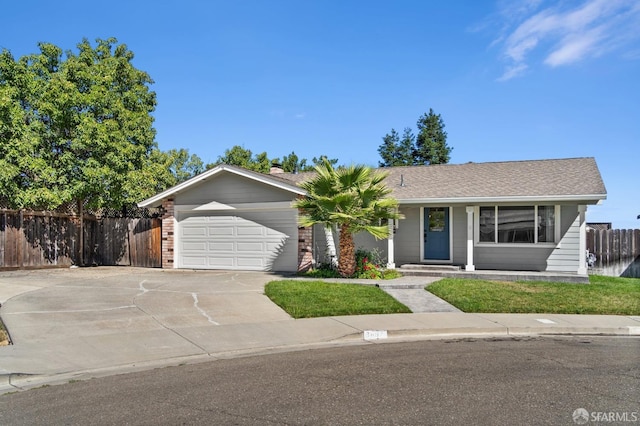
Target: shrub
368,264
322,271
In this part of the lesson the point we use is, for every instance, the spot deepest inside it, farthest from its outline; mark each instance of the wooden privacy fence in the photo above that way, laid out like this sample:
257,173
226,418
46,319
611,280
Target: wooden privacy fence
31,239
617,251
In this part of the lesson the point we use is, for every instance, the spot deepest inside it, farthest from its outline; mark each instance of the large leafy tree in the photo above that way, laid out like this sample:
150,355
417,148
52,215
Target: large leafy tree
292,163
243,157
354,199
183,165
180,163
428,147
77,127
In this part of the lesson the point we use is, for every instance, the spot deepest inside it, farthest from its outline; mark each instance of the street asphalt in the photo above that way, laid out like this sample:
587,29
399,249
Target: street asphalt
79,323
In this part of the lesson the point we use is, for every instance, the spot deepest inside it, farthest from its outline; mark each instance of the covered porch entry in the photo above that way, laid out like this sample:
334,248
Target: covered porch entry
532,236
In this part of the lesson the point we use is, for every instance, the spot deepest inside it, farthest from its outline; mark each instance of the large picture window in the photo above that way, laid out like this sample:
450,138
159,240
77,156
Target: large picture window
516,224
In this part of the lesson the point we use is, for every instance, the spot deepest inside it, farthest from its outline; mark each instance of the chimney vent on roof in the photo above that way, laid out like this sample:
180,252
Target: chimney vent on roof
401,180
276,169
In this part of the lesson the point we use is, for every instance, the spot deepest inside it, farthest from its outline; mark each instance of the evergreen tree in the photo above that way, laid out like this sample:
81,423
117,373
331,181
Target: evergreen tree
431,144
429,147
404,156
389,149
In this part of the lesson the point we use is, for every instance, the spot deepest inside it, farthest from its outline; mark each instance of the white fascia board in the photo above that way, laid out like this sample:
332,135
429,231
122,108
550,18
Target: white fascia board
156,199
588,199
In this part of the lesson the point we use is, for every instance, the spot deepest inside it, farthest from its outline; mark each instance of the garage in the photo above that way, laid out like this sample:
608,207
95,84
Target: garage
234,219
241,240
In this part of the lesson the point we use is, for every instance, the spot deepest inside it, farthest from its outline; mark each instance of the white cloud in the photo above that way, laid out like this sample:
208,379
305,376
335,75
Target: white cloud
574,48
565,32
513,71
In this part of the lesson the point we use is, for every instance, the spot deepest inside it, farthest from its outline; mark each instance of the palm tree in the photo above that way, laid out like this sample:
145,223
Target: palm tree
354,199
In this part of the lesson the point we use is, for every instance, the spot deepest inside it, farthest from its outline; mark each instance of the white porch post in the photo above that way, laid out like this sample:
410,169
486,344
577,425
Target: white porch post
470,266
390,249
582,246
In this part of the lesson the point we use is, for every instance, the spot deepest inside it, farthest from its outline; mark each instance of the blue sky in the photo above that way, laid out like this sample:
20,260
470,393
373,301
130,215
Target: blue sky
512,79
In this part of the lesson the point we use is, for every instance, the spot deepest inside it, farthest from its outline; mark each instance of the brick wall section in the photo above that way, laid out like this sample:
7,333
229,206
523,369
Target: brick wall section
167,233
305,249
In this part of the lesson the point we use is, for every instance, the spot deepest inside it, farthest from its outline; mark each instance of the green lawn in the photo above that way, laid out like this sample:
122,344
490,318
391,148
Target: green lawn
308,299
603,295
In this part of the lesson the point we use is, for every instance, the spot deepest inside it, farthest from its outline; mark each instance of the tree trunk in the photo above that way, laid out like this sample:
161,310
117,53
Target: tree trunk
331,247
347,259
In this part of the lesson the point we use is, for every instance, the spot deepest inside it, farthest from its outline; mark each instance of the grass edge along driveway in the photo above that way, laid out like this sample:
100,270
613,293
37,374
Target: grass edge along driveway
310,299
602,296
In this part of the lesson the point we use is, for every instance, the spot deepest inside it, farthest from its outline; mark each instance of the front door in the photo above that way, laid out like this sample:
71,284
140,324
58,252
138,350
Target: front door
436,233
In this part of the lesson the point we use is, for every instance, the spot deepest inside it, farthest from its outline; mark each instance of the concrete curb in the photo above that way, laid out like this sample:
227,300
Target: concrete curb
15,382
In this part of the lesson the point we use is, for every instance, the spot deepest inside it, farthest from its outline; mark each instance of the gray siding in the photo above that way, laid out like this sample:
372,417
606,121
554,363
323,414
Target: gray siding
511,258
320,244
229,188
407,241
565,257
364,240
407,237
459,223
562,258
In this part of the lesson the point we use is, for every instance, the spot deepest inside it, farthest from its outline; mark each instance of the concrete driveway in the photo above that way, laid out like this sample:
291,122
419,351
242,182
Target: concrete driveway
74,319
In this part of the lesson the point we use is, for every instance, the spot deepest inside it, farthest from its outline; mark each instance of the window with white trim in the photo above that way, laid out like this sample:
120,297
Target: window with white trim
516,224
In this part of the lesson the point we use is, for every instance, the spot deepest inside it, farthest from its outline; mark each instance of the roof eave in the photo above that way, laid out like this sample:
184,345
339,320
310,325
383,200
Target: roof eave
586,198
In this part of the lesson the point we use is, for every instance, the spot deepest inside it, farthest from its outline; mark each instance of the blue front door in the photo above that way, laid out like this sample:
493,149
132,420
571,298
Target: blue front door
436,233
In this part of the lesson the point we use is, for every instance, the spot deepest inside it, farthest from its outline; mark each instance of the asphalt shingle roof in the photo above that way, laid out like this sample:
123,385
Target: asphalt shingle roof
571,177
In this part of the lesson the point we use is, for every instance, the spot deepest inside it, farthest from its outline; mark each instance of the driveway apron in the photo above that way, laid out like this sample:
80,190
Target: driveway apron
88,318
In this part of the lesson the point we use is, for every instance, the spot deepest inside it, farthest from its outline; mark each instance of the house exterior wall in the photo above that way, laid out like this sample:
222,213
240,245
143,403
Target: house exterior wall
364,240
459,241
406,238
511,258
319,246
228,188
229,197
563,257
305,248
168,221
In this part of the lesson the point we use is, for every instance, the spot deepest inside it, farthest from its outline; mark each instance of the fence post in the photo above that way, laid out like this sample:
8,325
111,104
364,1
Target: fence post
81,240
20,239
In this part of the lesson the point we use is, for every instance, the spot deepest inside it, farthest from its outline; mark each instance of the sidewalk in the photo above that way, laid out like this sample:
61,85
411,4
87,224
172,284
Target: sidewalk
146,343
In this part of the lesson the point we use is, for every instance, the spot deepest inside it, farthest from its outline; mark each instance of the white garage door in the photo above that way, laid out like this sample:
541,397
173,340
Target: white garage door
252,240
